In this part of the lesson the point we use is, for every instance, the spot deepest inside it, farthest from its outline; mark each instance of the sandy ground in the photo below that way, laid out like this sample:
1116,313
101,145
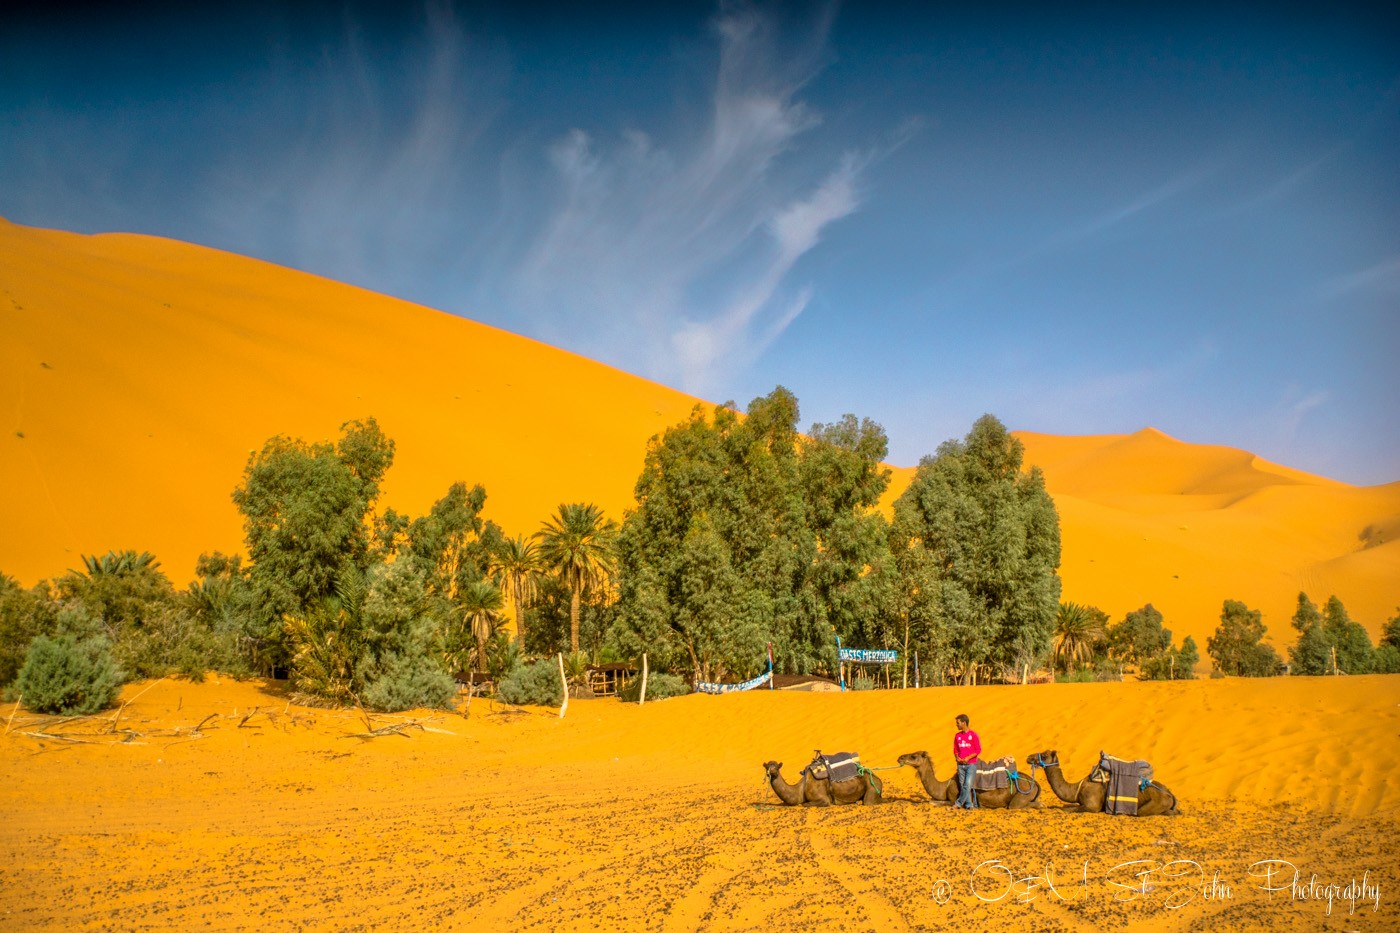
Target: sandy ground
222,806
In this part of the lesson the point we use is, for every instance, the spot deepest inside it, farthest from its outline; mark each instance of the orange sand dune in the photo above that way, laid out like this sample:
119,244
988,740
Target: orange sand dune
223,806
137,374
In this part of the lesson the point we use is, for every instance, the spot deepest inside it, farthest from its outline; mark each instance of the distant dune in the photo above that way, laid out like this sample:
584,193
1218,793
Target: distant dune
137,374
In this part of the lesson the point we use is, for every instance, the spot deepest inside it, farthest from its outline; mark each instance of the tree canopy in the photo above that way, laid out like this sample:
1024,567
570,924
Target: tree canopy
747,533
1237,646
979,540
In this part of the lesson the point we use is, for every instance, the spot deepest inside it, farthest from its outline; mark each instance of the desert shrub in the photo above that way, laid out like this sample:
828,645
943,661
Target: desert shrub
860,682
173,641
1173,664
535,684
69,676
1108,671
410,682
659,687
1080,675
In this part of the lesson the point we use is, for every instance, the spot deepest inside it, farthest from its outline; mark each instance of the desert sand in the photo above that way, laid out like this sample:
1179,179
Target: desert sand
137,374
223,806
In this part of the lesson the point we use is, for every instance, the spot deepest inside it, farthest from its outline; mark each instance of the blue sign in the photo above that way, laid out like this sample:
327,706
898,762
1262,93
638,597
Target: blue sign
868,655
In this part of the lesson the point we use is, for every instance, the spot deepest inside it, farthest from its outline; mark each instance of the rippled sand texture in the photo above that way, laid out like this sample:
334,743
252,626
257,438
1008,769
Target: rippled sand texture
222,806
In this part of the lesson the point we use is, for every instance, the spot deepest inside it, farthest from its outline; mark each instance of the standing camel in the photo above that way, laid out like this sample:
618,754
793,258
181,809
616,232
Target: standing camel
821,792
946,792
1153,800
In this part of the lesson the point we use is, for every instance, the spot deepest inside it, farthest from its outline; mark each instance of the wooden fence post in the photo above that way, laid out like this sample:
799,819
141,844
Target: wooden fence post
644,680
565,681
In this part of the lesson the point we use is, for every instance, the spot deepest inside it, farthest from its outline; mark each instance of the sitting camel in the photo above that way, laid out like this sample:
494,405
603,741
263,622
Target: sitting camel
1022,793
823,792
1152,800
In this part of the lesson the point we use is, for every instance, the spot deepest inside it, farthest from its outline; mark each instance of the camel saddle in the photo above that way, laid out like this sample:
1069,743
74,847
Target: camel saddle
1109,765
1125,779
841,766
994,775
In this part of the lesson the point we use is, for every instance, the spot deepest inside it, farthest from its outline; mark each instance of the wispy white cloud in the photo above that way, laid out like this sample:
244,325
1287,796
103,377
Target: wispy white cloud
1382,277
1121,213
678,253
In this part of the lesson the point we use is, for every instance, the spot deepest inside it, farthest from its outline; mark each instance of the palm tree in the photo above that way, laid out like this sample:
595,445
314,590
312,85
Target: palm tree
481,605
1076,629
577,545
517,566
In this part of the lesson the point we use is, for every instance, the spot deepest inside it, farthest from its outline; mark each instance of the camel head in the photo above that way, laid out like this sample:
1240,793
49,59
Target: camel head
772,768
1043,759
913,758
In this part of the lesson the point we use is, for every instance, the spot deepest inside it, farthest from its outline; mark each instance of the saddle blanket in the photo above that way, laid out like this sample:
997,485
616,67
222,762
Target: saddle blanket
1124,779
994,775
841,766
1107,764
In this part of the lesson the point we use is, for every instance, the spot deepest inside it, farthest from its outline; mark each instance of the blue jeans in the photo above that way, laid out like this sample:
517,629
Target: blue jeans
967,797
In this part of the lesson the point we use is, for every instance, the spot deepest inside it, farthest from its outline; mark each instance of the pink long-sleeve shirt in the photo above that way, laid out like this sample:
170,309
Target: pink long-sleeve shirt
966,746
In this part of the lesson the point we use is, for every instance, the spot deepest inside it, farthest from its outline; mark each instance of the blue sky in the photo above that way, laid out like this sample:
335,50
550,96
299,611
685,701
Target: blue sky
1082,222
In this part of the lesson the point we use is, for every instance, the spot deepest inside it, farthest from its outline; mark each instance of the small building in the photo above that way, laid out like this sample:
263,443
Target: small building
480,681
607,679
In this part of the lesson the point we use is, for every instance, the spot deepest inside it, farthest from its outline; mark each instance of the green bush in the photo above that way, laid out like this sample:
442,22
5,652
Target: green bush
1387,659
502,656
410,682
68,676
860,682
535,685
23,615
659,687
173,641
1080,675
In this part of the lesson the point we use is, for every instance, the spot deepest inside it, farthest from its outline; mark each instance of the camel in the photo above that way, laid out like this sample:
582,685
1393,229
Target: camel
1153,800
1024,794
865,788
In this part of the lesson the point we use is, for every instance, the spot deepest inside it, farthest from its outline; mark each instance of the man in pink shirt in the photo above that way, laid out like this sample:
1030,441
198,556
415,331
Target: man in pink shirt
966,747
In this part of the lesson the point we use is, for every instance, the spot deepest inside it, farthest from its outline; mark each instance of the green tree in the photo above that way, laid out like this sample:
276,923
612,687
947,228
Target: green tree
1330,641
547,621
1237,646
1387,656
1078,630
307,521
517,567
987,533
746,532
1306,617
1139,638
1354,650
1390,635
577,544
481,604
850,584
1173,663
452,545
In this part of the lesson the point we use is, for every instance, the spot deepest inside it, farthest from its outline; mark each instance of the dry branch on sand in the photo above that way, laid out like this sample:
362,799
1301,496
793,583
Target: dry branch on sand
397,727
